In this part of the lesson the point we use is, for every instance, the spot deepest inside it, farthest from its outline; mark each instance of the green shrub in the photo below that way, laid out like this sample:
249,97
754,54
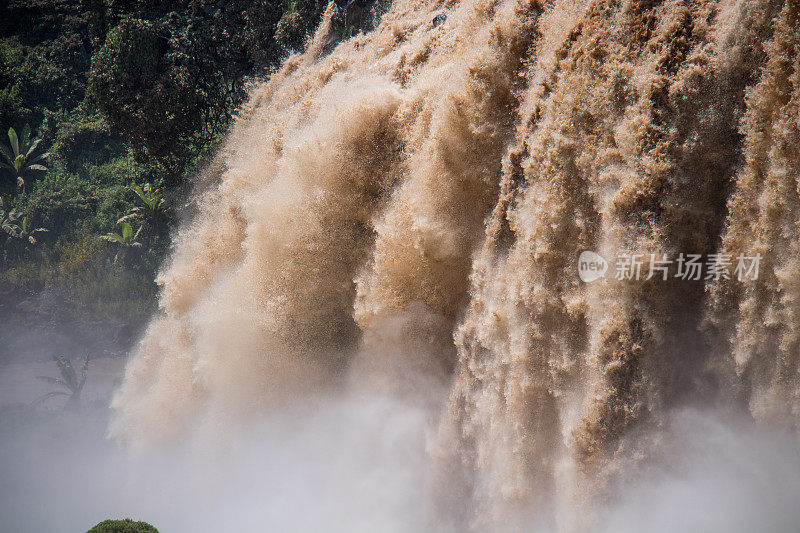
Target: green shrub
86,141
123,526
38,80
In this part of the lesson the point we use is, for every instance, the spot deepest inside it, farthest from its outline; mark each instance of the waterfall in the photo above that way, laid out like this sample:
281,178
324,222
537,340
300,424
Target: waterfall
404,211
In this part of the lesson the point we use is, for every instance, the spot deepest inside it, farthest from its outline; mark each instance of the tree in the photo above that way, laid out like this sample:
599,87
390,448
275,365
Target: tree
125,240
22,157
69,380
146,92
169,76
169,86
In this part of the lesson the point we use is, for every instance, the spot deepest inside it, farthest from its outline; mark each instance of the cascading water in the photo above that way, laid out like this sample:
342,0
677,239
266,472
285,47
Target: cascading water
406,211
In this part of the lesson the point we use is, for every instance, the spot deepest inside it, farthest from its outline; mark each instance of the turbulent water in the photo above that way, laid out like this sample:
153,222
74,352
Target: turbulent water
404,213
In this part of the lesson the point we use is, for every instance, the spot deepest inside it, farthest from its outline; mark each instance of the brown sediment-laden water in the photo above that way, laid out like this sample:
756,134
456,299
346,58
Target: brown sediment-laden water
405,212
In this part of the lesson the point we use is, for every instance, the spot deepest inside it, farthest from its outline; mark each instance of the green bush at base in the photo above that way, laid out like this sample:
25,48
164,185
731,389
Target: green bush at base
122,526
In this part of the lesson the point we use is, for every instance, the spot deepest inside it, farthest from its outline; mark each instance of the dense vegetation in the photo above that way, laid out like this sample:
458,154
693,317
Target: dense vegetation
126,98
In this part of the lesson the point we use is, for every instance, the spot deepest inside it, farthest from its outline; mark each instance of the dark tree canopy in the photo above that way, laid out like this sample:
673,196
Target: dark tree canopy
169,81
125,95
147,92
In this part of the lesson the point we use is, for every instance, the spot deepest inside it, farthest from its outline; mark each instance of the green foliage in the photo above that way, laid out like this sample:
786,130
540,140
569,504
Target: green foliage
69,203
169,79
30,85
122,526
15,228
21,158
152,199
27,232
17,233
152,204
147,93
70,380
9,221
44,57
125,240
82,141
151,210
130,96
12,106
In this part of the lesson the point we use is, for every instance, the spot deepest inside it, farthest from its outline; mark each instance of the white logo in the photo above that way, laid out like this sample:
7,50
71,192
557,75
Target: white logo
591,266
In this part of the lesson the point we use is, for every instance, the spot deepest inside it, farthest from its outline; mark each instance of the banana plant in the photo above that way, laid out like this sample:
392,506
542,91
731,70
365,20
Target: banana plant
26,231
152,199
69,379
21,157
12,226
9,221
151,203
126,240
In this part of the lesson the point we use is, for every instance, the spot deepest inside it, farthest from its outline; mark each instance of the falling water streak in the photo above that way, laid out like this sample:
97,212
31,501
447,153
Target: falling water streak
761,319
